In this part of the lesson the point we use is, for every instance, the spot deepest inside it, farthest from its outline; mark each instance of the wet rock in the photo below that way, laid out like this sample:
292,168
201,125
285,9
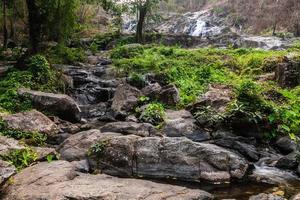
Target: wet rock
6,171
128,128
31,121
289,161
286,145
76,146
266,197
58,180
169,95
240,145
179,158
59,104
182,124
152,90
288,72
8,144
125,99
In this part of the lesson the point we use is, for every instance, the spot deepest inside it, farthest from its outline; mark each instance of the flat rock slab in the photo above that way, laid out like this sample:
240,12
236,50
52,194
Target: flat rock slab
165,158
59,181
31,121
60,104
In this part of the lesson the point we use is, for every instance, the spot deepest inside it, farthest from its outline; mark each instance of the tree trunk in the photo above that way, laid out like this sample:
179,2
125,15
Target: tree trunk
5,33
34,25
140,25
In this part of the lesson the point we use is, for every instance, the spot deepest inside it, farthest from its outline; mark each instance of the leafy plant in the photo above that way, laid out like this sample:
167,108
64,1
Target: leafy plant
154,113
97,149
21,158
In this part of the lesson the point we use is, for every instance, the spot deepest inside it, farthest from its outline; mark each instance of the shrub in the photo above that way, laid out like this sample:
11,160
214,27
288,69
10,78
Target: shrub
40,69
62,54
97,150
127,51
154,113
20,158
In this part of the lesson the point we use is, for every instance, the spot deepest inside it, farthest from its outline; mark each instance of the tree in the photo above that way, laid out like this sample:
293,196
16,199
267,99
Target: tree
5,33
142,9
50,19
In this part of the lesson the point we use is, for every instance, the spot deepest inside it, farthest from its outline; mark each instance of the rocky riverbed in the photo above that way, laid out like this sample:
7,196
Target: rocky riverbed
108,153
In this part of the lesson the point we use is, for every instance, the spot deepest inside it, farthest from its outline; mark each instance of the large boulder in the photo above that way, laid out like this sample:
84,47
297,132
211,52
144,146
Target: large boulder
6,171
169,95
75,147
127,128
59,104
182,124
31,121
59,181
287,73
289,161
179,158
125,99
152,90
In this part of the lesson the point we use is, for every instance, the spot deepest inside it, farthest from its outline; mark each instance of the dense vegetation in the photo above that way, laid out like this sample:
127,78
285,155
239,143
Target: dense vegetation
192,71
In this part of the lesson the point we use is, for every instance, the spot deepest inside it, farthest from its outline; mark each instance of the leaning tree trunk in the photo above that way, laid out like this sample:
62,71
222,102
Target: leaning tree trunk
34,25
140,25
5,33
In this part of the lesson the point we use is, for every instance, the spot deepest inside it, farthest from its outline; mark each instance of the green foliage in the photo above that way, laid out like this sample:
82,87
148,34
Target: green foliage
33,138
127,51
21,158
97,150
154,113
101,41
39,76
208,116
62,54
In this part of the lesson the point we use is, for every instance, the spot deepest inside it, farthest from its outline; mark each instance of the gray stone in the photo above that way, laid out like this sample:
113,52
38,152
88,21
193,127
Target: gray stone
266,197
31,121
44,152
286,145
59,104
127,128
59,181
8,144
125,99
152,90
76,146
169,95
296,197
6,171
179,158
182,124
289,161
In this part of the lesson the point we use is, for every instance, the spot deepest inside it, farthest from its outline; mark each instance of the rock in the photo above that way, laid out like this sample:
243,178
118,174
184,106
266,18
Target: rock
76,146
131,118
8,144
240,145
217,97
289,161
152,90
58,181
81,166
287,73
31,121
44,152
298,170
266,197
182,124
127,128
178,158
286,145
169,95
59,104
125,99
6,171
